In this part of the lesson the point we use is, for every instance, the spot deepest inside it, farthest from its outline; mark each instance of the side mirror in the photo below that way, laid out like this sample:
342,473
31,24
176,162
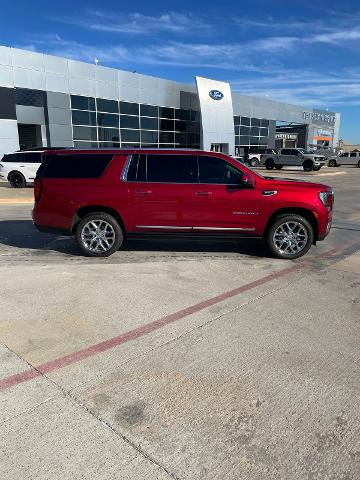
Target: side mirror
248,180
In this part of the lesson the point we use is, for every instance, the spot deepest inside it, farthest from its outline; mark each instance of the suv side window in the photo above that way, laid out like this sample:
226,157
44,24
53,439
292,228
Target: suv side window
137,169
344,155
74,166
12,157
217,171
353,154
286,151
29,157
170,168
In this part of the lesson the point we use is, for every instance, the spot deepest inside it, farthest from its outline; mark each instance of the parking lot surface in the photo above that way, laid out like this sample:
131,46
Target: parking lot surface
180,360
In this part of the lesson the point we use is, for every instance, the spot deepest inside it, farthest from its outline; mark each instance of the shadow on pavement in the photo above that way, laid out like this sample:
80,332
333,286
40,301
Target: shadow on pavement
23,234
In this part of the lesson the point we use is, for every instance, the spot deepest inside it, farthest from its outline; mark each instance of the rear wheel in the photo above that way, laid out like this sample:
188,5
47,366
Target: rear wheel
99,235
333,163
308,166
316,169
269,164
358,164
279,167
17,180
254,162
290,236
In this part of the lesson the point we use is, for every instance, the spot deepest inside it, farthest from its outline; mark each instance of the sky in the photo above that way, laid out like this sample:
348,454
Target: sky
305,52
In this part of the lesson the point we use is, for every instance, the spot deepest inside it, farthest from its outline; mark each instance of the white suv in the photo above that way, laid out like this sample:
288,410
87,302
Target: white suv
20,168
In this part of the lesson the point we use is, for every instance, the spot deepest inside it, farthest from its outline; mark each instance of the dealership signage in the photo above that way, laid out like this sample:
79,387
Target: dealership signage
286,136
319,117
324,133
216,95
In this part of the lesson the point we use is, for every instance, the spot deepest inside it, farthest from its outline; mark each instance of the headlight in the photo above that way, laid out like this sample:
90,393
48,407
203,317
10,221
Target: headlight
327,199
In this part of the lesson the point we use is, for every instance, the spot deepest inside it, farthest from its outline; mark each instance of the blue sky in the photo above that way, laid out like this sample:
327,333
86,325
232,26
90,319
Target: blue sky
305,52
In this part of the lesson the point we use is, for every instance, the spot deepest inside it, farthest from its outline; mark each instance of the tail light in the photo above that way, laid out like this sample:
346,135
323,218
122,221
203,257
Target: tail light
327,199
37,189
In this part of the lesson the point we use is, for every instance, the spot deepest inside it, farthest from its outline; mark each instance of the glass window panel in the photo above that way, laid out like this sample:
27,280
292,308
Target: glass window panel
264,122
193,138
82,103
254,140
130,145
166,137
194,115
244,140
149,123
180,125
108,134
216,170
149,136
30,97
127,121
84,133
148,110
109,144
166,125
137,169
107,120
264,132
264,140
180,138
129,108
245,121
83,118
237,140
110,106
149,145
236,120
237,130
77,165
171,168
244,130
255,122
254,131
193,127
79,144
166,112
130,135
182,114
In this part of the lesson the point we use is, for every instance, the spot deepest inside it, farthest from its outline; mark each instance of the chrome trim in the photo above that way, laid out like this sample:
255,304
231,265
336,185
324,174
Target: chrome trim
225,229
126,168
164,227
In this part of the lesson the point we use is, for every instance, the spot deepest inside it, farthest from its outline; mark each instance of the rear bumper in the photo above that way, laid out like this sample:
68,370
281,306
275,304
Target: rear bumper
54,230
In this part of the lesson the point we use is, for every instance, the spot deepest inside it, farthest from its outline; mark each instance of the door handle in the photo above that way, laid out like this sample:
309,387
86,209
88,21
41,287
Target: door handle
143,192
203,193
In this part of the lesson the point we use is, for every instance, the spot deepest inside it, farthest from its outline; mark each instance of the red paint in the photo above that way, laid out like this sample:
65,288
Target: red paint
191,205
138,332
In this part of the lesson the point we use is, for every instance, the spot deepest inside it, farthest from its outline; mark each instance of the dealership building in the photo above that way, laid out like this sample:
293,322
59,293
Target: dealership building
52,101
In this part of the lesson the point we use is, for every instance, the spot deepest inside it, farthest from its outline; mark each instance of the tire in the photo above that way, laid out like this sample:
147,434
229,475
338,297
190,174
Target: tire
17,180
99,235
290,248
316,169
279,167
308,166
254,162
358,164
333,163
269,164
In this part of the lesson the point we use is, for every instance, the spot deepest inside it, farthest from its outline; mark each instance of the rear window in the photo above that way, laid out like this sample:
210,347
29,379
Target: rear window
74,166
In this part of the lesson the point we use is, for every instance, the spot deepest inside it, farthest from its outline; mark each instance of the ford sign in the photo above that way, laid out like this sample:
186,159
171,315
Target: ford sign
216,94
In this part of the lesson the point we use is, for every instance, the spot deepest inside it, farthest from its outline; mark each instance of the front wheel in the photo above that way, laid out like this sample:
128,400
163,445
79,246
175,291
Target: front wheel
17,180
99,235
254,162
279,167
269,164
333,163
290,236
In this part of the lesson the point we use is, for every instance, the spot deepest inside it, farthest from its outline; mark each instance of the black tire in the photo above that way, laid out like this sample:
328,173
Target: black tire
254,162
269,164
17,180
333,163
308,166
359,163
283,253
316,169
108,231
279,167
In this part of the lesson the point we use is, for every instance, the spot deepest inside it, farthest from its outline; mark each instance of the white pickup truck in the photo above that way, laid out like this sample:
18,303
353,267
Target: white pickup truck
293,157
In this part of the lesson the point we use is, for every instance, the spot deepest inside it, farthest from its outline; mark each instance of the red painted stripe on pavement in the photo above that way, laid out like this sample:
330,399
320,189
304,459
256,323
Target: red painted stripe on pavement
76,357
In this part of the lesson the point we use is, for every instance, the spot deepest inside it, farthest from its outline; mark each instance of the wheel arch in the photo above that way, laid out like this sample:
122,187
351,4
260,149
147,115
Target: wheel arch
82,211
15,171
304,212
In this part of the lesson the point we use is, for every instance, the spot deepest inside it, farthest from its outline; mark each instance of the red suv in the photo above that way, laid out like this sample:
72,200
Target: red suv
102,196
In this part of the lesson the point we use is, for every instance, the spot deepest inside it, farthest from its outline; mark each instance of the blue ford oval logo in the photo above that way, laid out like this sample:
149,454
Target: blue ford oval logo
216,94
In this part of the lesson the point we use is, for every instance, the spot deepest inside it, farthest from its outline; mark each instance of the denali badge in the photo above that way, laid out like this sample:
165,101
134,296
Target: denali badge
216,94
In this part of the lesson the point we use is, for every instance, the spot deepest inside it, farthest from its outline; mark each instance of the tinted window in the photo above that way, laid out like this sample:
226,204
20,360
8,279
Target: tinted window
286,151
170,168
244,130
165,112
166,137
148,110
29,158
166,125
108,134
130,135
236,120
137,169
149,137
129,108
245,121
110,106
84,133
75,166
254,131
215,170
127,121
83,118
182,114
264,123
255,122
82,103
108,120
27,96
149,123
353,154
344,155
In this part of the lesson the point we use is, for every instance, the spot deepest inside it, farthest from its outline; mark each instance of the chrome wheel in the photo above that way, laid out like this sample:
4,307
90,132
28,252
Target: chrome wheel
98,236
290,238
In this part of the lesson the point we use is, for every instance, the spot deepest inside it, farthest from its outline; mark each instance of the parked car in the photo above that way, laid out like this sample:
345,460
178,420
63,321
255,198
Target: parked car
103,196
293,157
348,158
20,168
254,155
